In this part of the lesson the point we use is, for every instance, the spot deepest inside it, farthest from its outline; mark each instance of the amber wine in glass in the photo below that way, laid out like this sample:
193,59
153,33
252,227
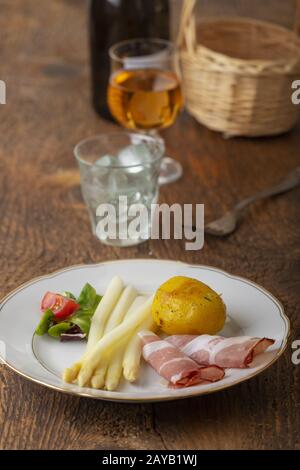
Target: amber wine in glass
144,92
144,99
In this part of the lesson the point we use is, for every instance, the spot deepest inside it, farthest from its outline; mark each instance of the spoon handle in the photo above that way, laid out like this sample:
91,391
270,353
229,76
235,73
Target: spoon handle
290,182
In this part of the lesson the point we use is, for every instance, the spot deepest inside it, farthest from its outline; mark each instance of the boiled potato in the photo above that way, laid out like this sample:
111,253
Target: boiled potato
187,306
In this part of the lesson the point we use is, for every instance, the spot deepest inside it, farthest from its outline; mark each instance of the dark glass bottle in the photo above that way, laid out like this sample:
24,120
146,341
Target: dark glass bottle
111,21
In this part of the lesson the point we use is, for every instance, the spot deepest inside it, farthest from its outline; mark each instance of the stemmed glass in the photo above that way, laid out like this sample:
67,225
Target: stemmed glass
144,92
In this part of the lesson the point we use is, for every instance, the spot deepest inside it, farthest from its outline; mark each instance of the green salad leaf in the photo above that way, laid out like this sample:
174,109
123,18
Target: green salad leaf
83,321
45,322
87,296
59,328
69,295
88,301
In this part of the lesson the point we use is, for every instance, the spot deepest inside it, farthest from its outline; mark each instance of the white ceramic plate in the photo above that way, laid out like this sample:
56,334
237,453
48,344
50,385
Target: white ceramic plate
251,311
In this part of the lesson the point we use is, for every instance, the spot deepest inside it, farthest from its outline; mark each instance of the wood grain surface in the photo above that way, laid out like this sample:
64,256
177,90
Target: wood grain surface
44,226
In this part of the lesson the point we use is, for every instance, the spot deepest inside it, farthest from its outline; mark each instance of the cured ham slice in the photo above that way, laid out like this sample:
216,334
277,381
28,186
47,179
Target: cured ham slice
237,352
174,365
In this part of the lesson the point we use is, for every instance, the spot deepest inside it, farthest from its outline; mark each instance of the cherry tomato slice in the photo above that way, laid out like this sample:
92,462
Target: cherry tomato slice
61,306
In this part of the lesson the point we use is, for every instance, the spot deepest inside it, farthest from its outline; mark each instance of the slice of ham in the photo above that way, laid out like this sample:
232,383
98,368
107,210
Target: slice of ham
236,352
174,365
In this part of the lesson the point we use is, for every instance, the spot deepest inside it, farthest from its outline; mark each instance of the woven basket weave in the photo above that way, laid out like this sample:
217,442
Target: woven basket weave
237,73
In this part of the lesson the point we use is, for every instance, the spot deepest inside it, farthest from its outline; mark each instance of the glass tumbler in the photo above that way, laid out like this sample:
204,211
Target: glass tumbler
119,183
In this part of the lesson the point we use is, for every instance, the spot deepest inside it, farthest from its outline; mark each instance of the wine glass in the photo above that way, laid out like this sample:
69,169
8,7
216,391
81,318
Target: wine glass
144,92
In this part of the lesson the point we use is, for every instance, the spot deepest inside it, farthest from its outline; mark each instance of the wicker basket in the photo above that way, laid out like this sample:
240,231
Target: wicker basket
237,73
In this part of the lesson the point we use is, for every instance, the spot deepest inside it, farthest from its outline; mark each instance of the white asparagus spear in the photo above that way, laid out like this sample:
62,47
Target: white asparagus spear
70,373
133,351
114,370
110,342
98,379
104,309
125,301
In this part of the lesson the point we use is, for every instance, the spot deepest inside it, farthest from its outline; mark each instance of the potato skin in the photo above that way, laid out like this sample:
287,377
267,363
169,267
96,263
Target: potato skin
183,305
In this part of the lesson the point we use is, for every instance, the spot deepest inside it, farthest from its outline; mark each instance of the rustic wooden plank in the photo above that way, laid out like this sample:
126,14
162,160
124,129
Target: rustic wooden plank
44,226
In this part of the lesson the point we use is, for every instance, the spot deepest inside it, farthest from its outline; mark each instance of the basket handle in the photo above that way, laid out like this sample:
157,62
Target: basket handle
187,25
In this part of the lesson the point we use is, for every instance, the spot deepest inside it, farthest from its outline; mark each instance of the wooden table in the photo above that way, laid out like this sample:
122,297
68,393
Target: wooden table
44,226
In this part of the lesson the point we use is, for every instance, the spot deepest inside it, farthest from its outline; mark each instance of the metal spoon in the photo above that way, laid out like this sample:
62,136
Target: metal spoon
228,222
